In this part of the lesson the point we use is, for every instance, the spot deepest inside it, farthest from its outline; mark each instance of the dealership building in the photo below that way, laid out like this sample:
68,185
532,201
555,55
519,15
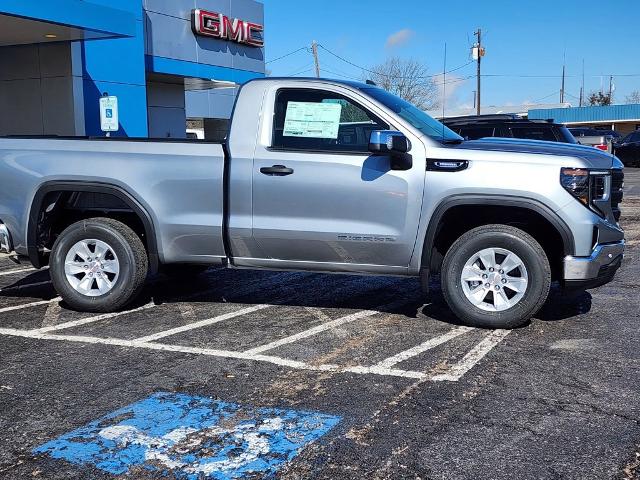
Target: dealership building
164,61
621,118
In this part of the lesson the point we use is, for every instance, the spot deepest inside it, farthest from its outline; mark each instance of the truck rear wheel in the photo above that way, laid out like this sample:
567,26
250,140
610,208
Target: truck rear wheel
98,265
496,276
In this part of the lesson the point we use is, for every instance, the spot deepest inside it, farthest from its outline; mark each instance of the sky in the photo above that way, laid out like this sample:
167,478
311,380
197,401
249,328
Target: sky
523,38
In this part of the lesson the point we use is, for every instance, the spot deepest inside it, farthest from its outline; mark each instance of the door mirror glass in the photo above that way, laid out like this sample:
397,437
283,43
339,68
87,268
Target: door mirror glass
388,142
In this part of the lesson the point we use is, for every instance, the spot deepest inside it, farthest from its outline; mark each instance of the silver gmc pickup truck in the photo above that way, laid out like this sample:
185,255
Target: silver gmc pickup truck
325,176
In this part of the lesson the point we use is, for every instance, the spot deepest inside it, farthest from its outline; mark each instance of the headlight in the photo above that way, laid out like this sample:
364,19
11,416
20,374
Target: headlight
576,182
592,188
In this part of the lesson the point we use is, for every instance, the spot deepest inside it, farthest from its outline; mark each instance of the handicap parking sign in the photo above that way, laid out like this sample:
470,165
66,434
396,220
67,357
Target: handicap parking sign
109,121
192,438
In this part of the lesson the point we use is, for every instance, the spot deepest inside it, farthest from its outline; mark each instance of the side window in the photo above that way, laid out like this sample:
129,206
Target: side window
474,133
534,133
320,120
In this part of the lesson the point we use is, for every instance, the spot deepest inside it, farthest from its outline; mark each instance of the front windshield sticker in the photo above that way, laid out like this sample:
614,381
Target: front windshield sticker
312,120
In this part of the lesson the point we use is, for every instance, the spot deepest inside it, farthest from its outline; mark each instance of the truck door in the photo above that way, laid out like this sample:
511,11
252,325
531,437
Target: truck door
320,196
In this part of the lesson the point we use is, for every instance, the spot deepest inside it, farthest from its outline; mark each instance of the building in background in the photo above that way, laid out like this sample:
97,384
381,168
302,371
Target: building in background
166,61
521,110
621,118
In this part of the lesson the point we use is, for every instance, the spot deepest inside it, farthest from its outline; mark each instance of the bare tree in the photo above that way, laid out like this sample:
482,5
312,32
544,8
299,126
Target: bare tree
409,79
633,97
599,99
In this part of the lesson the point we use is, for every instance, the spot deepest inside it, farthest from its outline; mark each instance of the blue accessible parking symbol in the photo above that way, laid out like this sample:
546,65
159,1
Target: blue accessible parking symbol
191,437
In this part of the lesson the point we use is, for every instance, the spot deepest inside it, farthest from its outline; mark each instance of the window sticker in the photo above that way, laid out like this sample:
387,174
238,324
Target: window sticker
312,120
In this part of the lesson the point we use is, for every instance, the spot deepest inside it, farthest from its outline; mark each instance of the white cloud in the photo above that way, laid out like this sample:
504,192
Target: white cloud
399,38
449,94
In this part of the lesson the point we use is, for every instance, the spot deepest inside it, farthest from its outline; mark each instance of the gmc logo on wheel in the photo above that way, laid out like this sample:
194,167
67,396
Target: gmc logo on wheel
217,25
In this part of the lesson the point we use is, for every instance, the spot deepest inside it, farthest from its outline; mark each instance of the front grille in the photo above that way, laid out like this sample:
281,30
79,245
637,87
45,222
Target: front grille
617,192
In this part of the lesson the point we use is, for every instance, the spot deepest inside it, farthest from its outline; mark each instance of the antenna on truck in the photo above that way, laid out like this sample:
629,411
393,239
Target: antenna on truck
444,88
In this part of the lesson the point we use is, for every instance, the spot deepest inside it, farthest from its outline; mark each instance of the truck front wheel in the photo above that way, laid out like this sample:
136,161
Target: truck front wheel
496,276
98,265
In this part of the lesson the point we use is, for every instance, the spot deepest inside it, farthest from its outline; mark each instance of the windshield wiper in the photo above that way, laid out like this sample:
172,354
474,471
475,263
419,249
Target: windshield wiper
451,141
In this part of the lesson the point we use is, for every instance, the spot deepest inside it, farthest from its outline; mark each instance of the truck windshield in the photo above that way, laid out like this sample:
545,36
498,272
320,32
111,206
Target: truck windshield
414,116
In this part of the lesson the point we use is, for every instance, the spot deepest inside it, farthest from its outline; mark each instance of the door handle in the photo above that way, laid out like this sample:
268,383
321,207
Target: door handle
276,171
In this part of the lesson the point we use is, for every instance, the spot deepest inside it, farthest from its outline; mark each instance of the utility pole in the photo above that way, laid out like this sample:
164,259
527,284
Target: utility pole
582,87
562,87
564,69
610,87
478,53
314,50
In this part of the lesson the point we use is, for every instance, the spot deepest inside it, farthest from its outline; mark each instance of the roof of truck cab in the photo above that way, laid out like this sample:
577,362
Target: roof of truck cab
348,83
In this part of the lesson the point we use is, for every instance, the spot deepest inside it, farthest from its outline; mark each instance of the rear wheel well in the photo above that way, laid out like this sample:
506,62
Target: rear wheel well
55,209
460,219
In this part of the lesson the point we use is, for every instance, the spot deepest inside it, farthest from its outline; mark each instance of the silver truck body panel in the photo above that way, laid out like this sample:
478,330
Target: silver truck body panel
342,211
178,184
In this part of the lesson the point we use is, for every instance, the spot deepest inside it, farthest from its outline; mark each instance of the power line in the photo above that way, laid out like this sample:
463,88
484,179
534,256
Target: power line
555,92
513,75
287,55
572,96
384,75
351,77
302,68
308,70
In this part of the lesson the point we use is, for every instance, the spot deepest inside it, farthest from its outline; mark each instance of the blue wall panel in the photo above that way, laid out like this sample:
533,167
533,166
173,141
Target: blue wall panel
117,66
588,114
197,70
101,16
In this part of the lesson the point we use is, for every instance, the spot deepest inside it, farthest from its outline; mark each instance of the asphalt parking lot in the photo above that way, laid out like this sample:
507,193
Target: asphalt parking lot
358,374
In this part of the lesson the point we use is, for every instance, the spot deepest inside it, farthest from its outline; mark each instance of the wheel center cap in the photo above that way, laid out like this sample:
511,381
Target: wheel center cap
495,278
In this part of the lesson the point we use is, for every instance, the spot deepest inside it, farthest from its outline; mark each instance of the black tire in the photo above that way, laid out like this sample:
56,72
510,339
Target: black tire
131,254
505,237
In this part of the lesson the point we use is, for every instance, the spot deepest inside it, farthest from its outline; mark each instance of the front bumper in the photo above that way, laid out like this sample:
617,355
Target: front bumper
597,269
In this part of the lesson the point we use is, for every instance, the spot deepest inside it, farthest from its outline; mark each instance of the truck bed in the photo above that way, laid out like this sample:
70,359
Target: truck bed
178,182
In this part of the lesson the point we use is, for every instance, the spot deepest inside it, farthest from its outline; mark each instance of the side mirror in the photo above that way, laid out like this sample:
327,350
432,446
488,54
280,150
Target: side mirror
388,142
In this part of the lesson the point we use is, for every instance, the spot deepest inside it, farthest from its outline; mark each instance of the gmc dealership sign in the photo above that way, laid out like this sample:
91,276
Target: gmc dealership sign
217,25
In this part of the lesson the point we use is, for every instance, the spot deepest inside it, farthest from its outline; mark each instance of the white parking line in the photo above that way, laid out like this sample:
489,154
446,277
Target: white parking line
200,324
106,316
477,353
455,373
96,318
312,331
19,270
29,305
423,347
283,362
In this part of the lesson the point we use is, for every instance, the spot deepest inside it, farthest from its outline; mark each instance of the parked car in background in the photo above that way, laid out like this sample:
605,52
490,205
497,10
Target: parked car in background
614,134
508,126
628,149
195,134
592,137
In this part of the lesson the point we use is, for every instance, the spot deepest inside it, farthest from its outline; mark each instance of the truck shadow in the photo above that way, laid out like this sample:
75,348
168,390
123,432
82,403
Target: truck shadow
399,296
